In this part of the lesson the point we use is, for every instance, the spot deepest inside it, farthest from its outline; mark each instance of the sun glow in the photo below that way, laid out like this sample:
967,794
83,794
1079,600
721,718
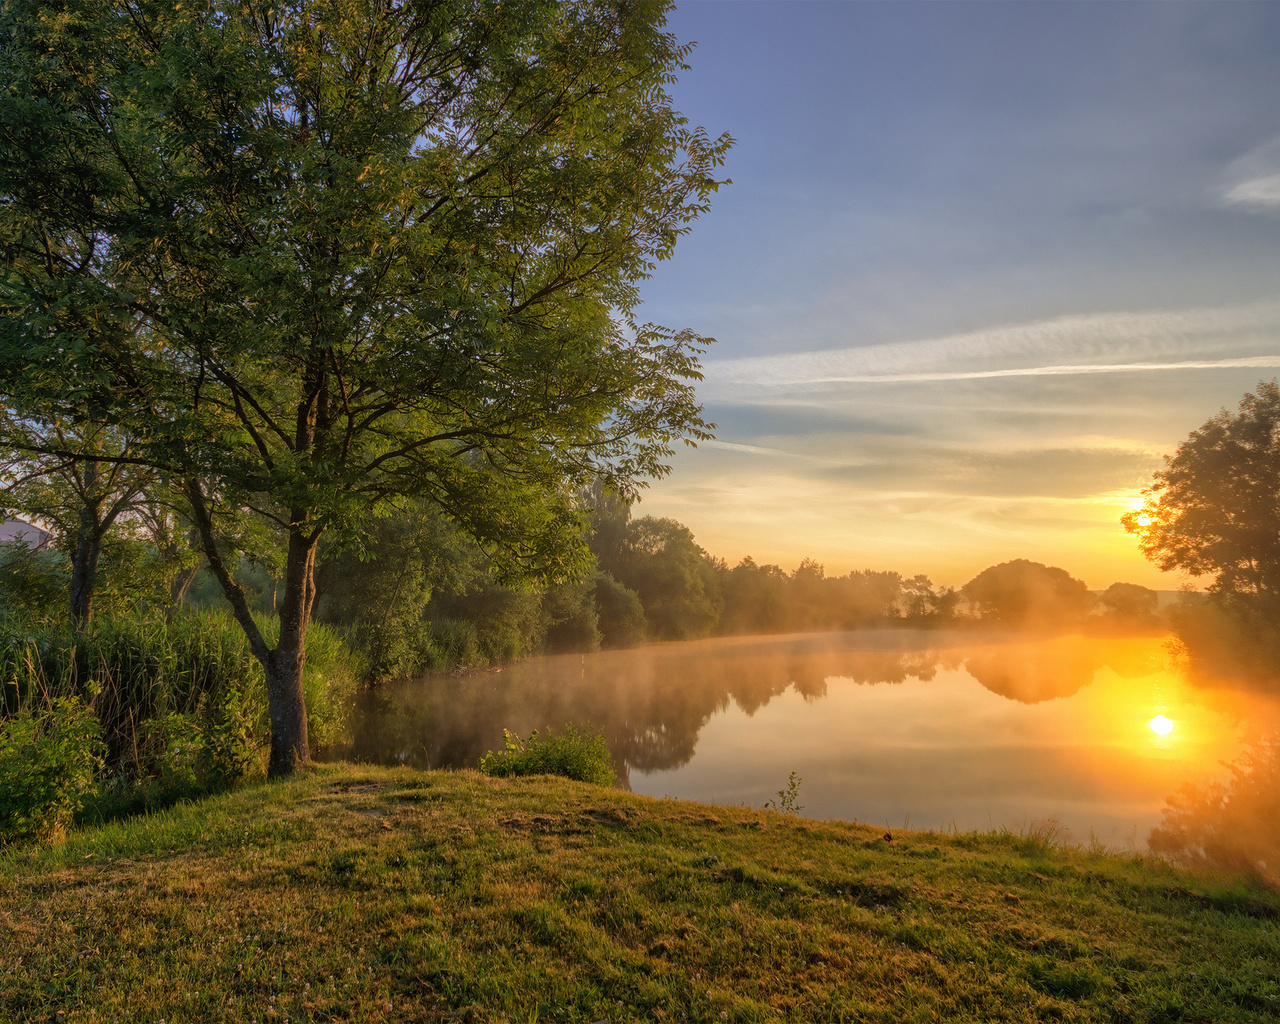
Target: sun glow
1161,726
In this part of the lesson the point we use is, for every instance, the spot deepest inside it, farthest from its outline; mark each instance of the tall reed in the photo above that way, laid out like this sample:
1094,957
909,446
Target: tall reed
181,705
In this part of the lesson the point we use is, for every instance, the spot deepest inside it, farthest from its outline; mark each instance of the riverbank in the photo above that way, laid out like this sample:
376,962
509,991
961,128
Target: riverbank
354,893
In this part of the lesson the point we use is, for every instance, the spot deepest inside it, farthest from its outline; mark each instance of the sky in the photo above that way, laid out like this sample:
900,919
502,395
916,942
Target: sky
980,268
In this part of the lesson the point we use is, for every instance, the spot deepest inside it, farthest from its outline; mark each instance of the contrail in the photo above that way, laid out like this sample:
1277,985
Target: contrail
1264,362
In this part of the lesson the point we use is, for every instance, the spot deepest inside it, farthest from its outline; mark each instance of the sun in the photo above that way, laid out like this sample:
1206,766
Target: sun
1161,726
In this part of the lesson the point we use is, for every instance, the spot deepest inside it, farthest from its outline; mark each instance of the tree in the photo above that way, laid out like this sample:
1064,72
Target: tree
1026,593
1214,509
81,491
677,582
1129,602
321,257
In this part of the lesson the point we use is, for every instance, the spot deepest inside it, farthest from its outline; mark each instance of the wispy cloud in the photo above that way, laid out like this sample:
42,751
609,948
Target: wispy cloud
750,449
1052,371
1253,181
1157,341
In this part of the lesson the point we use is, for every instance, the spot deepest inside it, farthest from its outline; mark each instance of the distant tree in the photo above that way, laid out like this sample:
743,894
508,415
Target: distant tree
756,599
620,613
1214,509
944,603
571,617
678,583
811,600
1130,602
1025,593
318,257
917,596
866,596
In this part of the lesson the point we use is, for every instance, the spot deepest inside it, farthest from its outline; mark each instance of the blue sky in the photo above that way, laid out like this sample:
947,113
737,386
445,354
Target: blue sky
980,267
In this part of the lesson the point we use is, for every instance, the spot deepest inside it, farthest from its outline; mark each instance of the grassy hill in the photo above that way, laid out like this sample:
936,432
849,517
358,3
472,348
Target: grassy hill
369,894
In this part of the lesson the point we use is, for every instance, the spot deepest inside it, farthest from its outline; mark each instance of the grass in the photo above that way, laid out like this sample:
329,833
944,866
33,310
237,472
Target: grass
370,894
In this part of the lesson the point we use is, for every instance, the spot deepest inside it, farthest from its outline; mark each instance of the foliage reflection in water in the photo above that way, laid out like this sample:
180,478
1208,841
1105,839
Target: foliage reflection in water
900,727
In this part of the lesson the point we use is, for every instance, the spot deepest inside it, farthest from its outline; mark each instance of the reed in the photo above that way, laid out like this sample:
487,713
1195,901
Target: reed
181,705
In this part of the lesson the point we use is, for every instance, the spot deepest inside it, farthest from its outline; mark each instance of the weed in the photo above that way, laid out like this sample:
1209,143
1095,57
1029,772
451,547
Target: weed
578,754
788,799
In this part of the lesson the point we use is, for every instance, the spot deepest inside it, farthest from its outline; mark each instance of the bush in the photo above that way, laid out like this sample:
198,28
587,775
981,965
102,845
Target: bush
33,584
577,754
48,760
181,706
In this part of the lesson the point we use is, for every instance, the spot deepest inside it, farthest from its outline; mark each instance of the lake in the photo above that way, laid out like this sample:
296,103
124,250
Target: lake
924,729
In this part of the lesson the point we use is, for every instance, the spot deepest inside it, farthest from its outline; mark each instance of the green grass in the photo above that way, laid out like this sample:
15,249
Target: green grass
369,894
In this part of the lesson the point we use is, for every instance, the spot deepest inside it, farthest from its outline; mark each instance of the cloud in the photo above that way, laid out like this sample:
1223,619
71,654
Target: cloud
1104,343
1264,191
1051,371
1253,181
750,449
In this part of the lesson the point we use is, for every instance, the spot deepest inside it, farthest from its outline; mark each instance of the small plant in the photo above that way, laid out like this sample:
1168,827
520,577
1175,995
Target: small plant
48,761
787,798
577,754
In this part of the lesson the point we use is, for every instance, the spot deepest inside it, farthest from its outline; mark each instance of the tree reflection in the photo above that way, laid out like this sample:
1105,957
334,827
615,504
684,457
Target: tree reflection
1232,826
651,704
1031,673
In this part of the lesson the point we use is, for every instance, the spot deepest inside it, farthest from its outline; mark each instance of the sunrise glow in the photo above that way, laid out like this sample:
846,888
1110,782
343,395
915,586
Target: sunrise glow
943,340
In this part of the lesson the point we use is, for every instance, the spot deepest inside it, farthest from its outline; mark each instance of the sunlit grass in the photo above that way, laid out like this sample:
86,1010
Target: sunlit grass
365,894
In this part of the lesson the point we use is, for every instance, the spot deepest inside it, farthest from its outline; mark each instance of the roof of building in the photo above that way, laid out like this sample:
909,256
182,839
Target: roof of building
19,529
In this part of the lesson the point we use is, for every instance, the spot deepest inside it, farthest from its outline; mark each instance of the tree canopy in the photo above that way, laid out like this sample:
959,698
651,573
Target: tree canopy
1026,593
319,258
1214,509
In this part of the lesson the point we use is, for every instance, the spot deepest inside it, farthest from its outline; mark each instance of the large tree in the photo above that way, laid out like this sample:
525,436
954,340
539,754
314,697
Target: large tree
1214,509
1023,593
317,257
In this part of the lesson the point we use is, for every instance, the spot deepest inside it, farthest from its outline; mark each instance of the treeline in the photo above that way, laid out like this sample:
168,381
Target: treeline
419,595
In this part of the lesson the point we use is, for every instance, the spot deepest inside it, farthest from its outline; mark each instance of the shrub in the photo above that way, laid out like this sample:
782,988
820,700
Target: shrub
33,584
457,641
48,760
181,705
577,754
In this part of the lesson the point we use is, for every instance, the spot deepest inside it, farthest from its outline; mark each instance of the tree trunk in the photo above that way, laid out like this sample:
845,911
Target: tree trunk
286,704
84,567
290,747
84,570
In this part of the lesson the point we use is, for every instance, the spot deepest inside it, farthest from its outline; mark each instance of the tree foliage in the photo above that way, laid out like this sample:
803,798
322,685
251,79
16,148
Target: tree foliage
1214,509
1026,593
77,478
316,257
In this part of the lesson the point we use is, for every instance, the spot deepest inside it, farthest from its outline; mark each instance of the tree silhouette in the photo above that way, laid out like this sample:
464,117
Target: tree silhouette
1026,593
1214,509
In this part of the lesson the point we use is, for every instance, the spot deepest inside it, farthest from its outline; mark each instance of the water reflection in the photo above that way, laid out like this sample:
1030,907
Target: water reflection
927,728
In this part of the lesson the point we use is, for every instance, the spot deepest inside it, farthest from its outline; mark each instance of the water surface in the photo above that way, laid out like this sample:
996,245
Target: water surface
927,729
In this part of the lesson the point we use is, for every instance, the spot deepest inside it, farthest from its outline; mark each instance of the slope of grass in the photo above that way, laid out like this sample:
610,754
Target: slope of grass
369,894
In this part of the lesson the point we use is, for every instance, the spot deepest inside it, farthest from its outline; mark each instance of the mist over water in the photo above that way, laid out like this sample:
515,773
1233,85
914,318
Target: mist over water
926,728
